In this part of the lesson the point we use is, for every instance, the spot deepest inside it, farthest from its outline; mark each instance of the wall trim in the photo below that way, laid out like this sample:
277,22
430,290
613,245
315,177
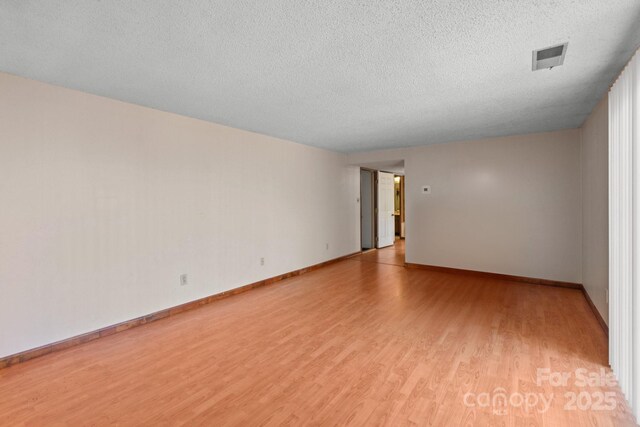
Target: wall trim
26,355
531,280
599,317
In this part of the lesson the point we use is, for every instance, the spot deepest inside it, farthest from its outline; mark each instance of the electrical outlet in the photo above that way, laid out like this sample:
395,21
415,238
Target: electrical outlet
183,280
327,246
261,261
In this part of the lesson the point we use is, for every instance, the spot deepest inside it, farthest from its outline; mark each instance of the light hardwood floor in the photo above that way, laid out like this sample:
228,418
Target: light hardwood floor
360,342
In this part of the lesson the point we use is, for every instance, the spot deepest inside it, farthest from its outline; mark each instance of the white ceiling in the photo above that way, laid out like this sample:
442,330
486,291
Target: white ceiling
343,75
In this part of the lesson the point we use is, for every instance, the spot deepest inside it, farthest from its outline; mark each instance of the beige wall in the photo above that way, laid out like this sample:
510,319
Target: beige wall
105,204
505,205
595,213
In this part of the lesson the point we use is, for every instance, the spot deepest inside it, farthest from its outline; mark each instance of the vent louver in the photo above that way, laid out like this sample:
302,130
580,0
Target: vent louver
549,57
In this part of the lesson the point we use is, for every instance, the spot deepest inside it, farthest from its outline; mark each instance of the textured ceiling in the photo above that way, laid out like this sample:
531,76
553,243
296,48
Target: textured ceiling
343,75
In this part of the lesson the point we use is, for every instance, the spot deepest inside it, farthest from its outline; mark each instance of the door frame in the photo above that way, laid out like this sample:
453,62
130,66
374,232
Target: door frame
375,210
374,217
400,230
377,207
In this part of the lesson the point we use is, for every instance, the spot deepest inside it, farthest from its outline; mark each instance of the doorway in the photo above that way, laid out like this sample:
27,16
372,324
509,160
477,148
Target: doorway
398,205
381,208
367,209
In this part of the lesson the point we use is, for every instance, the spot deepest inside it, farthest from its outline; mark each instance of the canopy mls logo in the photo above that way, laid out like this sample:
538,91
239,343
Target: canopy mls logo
499,401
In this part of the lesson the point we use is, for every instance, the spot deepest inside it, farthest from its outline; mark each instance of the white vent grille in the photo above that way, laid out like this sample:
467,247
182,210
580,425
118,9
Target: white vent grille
549,57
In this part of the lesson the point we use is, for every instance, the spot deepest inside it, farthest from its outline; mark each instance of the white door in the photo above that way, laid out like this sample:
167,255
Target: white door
386,220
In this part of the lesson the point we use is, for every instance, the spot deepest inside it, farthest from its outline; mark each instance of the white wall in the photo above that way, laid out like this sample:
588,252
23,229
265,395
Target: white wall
105,204
595,206
504,205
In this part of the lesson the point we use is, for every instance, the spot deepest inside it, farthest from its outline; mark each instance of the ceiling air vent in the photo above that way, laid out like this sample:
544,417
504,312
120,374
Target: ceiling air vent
549,57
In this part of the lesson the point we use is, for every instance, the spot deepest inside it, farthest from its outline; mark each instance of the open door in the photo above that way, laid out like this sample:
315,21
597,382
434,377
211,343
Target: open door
385,211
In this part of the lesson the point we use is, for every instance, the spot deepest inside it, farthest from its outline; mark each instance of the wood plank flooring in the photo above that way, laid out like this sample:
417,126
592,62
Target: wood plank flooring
361,342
